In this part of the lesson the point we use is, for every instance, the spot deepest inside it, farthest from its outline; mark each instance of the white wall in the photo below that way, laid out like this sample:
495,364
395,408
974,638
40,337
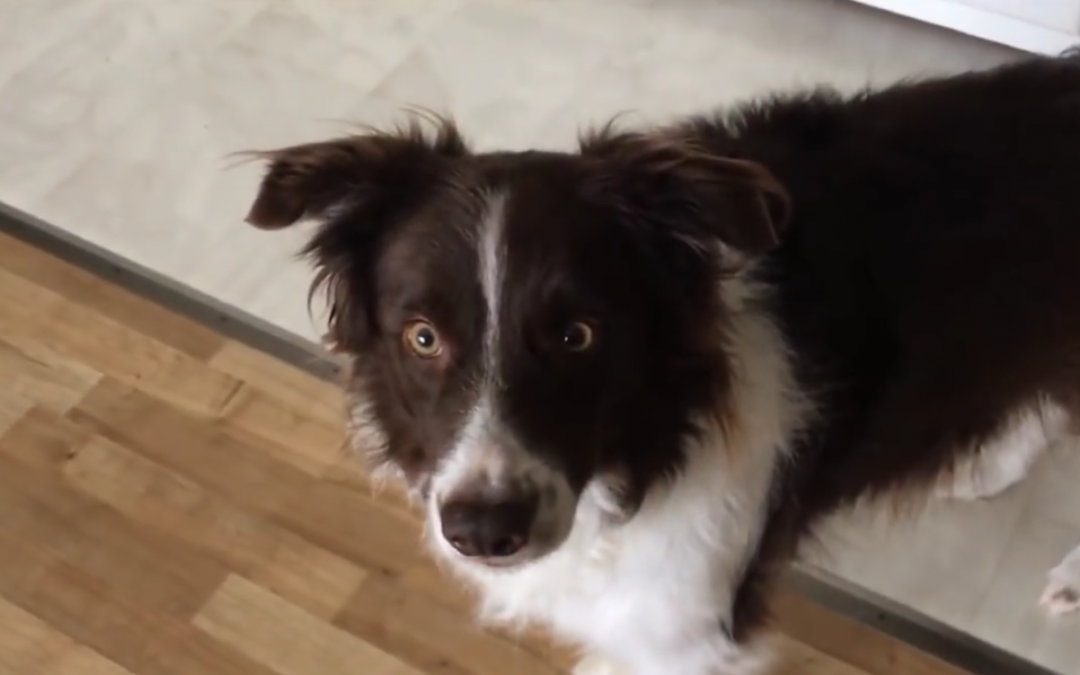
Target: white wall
1043,26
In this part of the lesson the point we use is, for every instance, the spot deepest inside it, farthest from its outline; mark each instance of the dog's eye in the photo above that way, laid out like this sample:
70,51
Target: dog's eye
578,337
421,338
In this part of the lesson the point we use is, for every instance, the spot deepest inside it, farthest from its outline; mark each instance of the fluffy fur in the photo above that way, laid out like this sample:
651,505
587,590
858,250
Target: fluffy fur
626,383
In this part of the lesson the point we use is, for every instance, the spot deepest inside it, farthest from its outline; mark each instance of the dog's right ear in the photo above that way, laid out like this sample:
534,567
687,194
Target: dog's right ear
310,181
357,187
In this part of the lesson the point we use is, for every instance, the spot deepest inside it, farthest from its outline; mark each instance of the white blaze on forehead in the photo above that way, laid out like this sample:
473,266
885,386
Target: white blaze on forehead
492,261
485,452
478,454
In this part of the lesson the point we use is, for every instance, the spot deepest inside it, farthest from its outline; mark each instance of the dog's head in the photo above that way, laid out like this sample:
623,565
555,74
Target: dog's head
524,328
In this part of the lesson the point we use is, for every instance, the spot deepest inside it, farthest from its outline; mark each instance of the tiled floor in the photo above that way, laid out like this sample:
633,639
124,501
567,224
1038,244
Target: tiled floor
117,118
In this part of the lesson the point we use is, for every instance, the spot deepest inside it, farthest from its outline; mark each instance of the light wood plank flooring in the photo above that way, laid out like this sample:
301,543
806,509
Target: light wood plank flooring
176,503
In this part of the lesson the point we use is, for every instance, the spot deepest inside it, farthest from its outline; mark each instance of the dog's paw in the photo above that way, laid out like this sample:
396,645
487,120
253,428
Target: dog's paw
1062,594
986,476
1061,597
594,664
969,484
1002,462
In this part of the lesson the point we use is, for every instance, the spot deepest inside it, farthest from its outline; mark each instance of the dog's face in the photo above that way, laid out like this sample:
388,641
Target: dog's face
523,328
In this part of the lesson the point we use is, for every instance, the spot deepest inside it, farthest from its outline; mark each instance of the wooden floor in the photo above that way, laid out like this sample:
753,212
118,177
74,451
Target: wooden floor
175,503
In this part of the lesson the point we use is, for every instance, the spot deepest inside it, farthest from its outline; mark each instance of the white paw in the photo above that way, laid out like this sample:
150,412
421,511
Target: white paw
1060,598
968,483
1062,594
1005,460
986,475
594,664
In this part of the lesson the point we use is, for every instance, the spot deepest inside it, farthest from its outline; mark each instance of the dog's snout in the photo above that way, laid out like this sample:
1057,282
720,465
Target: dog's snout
489,528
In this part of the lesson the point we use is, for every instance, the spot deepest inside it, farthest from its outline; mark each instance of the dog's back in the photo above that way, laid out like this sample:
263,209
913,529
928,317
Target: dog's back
929,279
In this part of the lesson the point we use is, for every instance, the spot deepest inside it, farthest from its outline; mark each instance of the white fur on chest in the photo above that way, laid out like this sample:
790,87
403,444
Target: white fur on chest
661,583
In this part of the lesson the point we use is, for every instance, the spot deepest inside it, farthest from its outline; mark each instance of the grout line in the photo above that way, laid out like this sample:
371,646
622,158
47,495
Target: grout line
845,599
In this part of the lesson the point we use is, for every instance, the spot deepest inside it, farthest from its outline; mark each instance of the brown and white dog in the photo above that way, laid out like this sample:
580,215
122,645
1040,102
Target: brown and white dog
626,382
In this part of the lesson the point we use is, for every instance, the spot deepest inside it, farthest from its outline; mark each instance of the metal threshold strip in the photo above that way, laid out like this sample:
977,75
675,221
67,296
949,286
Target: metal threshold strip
845,599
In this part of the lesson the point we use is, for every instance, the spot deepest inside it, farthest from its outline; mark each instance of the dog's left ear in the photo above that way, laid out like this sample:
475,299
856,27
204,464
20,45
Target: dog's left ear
671,183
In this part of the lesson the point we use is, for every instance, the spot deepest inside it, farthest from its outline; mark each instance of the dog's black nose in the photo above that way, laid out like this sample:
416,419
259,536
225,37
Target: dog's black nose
488,529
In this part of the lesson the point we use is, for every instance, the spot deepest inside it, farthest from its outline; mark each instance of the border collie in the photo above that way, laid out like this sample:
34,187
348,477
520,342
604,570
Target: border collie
626,382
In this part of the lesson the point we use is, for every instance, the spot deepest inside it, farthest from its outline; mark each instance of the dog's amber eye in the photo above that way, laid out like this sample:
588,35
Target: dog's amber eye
421,338
578,337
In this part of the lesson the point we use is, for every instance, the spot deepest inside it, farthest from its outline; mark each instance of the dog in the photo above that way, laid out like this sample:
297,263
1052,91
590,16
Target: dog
626,383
